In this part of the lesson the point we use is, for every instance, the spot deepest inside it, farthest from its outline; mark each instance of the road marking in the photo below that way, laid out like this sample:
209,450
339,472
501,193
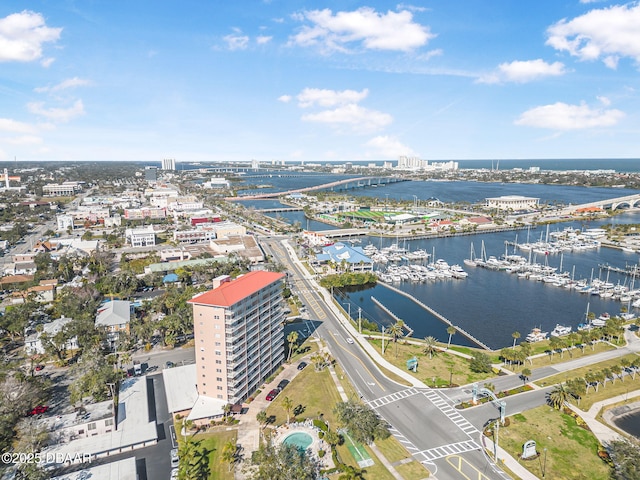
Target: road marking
361,362
378,402
451,413
443,451
464,468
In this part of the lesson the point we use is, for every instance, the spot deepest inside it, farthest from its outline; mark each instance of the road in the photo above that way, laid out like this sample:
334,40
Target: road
422,419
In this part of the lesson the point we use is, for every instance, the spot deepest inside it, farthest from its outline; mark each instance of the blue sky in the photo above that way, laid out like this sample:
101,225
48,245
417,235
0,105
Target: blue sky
318,81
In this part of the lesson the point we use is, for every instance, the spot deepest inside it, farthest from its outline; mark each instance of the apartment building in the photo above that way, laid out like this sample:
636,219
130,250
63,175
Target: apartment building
239,337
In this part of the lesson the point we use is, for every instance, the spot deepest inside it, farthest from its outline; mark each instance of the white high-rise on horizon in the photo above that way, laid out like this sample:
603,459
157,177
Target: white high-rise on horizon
168,164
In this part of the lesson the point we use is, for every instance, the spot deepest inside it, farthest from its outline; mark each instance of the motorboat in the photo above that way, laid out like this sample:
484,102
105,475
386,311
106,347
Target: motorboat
536,335
560,330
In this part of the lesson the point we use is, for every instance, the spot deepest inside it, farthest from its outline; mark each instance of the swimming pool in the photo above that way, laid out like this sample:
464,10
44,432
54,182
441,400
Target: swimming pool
299,439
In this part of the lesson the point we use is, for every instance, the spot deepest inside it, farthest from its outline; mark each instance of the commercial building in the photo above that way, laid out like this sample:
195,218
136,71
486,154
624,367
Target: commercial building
141,237
239,337
513,202
168,164
66,189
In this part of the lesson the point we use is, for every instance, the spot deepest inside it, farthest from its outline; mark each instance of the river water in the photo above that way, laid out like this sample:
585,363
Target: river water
490,305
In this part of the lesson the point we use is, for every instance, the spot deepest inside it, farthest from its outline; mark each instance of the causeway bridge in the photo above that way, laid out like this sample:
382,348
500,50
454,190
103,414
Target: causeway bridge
630,201
339,185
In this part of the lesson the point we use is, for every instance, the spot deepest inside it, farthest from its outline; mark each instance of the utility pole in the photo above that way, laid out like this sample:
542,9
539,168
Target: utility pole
360,323
382,326
495,442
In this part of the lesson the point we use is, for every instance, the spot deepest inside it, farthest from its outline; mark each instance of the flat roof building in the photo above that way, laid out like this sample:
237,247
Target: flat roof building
238,332
512,202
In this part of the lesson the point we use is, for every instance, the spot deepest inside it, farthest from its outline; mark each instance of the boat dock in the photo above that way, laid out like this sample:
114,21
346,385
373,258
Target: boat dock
633,270
435,314
394,316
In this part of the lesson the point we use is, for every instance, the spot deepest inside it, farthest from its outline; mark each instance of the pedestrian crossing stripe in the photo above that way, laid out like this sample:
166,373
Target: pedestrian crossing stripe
445,450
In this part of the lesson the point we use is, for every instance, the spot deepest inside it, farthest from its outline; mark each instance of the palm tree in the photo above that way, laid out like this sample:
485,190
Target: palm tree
395,330
451,330
287,404
526,373
430,346
262,419
516,336
558,396
229,453
292,339
352,473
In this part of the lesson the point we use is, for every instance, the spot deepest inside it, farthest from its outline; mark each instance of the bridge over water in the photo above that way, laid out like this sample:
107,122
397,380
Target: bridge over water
630,201
338,185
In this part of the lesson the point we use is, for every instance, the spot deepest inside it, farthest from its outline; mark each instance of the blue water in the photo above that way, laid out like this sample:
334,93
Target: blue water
300,440
630,423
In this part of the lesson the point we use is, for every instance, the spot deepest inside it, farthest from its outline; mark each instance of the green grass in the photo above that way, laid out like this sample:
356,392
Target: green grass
394,452
441,367
213,441
557,358
566,442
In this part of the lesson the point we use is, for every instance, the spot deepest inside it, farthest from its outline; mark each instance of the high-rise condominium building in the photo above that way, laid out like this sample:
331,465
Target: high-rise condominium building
168,164
239,336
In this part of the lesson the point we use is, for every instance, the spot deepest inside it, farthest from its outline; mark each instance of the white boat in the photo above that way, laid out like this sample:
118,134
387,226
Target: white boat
560,330
471,261
536,335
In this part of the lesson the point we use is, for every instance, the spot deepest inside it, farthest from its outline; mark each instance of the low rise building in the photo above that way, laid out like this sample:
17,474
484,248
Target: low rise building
114,317
512,202
33,343
141,237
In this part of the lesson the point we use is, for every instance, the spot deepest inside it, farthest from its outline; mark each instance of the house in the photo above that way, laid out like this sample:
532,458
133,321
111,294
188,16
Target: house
33,343
114,317
352,258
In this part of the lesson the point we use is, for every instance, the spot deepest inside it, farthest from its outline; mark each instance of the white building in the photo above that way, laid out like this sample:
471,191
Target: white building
217,182
65,222
141,237
33,343
67,189
512,202
168,164
114,317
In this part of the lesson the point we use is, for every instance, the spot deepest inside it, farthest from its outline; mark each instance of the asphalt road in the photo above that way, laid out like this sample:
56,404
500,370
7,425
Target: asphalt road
422,419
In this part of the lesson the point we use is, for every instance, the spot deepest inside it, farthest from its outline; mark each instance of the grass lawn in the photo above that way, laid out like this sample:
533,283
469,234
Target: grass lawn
394,452
441,367
556,358
572,451
213,441
611,389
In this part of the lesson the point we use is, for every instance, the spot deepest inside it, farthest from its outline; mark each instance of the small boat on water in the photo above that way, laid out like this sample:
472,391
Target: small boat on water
560,330
536,335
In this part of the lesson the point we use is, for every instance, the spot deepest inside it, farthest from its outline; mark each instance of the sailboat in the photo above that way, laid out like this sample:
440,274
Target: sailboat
482,261
471,261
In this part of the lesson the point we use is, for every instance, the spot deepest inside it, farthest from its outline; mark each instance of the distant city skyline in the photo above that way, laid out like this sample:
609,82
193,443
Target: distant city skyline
319,81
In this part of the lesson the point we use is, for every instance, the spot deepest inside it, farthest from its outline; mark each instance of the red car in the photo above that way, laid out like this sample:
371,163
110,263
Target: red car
38,410
272,394
39,367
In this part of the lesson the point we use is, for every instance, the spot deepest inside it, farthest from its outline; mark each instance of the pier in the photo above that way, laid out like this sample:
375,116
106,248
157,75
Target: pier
633,270
281,209
435,314
394,316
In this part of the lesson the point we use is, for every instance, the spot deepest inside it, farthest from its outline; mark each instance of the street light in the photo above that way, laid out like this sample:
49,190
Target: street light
348,304
544,464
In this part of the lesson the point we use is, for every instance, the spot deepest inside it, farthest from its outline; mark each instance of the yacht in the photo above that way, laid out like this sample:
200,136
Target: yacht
560,330
536,335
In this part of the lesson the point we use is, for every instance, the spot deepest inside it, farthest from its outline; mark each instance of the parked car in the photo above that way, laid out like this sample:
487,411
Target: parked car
174,458
40,409
349,340
283,383
174,474
301,365
39,368
272,394
169,364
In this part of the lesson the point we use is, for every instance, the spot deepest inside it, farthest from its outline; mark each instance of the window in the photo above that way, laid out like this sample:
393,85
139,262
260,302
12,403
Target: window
204,384
218,362
216,317
219,396
218,379
218,352
219,387
91,426
202,349
218,370
202,366
217,335
201,358
204,376
108,422
217,344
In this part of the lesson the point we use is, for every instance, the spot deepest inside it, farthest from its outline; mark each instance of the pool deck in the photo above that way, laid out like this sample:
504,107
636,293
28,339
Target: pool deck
283,431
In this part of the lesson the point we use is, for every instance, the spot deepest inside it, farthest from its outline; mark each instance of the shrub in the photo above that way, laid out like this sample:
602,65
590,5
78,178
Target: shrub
320,424
179,416
321,453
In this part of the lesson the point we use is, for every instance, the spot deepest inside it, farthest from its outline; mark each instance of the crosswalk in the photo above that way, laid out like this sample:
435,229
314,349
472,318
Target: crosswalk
441,451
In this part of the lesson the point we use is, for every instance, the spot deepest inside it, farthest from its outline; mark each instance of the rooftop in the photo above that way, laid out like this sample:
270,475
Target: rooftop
230,293
114,312
120,470
182,394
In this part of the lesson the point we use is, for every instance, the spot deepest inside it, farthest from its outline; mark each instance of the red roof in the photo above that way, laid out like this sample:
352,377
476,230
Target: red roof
230,293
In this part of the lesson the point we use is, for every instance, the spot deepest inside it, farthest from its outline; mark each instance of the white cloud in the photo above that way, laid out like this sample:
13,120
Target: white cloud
13,126
236,41
373,30
47,62
68,83
22,36
604,101
412,8
60,115
23,140
562,116
607,34
520,71
310,97
389,147
263,39
360,119
285,98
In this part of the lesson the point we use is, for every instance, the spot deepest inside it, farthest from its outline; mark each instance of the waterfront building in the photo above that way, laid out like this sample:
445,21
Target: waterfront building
168,164
512,202
239,337
342,255
141,237
217,182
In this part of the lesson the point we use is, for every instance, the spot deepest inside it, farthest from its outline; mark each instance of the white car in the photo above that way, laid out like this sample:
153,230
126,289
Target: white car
174,458
349,340
174,474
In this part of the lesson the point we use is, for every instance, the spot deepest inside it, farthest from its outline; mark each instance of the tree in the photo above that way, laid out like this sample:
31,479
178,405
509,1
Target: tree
516,336
526,373
430,346
480,362
194,461
362,423
396,331
577,388
558,396
451,330
287,405
292,340
626,458
282,461
262,419
352,473
617,370
229,453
